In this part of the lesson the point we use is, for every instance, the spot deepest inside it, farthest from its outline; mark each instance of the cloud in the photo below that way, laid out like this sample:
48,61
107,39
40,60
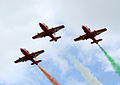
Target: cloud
95,14
19,22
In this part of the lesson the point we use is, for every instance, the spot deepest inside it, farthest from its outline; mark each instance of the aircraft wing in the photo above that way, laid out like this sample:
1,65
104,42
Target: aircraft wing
39,35
20,60
55,29
97,32
35,54
83,37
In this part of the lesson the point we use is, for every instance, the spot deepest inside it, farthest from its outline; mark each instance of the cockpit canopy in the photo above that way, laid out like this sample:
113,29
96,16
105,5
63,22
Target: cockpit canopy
88,28
26,50
45,25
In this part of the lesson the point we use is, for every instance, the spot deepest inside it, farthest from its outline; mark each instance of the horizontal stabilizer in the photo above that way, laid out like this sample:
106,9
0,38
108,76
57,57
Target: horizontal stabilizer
77,39
36,61
56,38
99,40
96,42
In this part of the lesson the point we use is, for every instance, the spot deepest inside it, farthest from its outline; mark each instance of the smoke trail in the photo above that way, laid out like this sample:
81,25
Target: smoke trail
52,80
85,72
115,65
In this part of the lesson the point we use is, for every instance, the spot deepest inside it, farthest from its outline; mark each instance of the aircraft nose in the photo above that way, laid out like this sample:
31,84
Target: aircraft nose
83,26
21,49
40,24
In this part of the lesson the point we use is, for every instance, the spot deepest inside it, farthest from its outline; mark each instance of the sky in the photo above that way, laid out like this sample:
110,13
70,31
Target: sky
19,22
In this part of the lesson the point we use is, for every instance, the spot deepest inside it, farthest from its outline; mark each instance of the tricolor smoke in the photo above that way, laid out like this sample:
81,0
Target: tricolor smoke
52,80
85,72
115,65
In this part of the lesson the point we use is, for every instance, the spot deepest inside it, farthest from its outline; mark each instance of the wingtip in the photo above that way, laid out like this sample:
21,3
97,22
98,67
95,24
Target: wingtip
15,61
105,29
75,39
33,37
63,26
43,50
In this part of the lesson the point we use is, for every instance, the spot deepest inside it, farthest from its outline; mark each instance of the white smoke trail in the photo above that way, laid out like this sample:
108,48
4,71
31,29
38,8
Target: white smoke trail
84,71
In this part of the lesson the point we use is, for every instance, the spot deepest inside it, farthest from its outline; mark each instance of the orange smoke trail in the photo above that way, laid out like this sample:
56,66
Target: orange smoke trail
52,80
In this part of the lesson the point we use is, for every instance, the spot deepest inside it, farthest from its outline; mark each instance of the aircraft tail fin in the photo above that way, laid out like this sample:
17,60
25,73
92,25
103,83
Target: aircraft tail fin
96,42
36,61
55,39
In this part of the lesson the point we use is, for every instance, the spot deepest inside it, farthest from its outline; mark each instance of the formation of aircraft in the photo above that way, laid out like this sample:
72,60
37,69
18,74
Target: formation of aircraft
29,56
48,32
90,34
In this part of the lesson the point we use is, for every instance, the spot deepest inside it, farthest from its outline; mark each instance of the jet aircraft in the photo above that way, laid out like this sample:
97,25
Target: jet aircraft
48,32
29,56
90,34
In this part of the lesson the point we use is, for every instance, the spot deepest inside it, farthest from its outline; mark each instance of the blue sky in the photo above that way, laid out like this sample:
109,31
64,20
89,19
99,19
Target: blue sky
19,22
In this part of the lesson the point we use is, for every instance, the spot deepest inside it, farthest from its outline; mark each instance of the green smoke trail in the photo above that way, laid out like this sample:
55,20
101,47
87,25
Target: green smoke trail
84,71
115,65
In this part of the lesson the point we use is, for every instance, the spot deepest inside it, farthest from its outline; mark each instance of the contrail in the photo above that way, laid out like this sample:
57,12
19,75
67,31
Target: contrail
52,80
85,72
114,64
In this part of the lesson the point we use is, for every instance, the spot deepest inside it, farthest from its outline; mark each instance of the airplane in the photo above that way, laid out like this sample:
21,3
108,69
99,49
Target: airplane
29,56
48,32
90,34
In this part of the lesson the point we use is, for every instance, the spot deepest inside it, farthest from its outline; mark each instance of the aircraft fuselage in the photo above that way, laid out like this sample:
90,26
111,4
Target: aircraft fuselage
46,30
28,56
89,34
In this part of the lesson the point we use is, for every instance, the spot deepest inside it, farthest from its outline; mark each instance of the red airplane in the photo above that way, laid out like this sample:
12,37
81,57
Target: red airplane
48,32
27,56
90,35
